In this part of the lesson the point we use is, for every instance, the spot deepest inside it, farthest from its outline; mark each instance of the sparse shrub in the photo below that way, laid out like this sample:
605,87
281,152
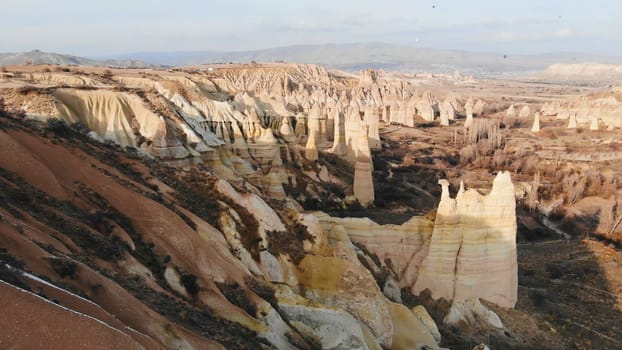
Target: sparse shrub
189,281
80,128
263,289
237,296
26,89
64,267
57,126
574,187
8,272
290,243
538,298
468,154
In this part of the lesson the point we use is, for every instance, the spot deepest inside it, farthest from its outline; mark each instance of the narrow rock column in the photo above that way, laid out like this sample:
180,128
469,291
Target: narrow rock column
594,123
478,108
339,145
536,123
524,112
372,118
313,125
352,131
363,180
572,121
469,113
511,112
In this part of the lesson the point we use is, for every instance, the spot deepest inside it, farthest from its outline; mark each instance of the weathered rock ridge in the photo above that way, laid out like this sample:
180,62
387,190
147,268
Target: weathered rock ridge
466,252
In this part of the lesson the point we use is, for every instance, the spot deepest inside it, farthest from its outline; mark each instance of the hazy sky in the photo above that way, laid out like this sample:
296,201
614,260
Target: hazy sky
111,27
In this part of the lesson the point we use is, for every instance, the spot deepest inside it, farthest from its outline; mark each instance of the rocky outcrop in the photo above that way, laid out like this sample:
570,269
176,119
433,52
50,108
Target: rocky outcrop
404,245
114,116
447,113
572,121
524,112
363,179
472,312
165,145
339,144
353,132
410,332
472,253
478,108
467,252
368,77
314,127
334,276
604,106
511,112
536,123
372,118
422,314
238,125
594,123
425,110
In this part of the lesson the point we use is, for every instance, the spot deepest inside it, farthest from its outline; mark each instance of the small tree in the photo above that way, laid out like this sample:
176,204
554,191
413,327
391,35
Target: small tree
57,126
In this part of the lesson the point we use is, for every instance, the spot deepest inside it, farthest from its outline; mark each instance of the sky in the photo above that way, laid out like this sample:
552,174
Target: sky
114,27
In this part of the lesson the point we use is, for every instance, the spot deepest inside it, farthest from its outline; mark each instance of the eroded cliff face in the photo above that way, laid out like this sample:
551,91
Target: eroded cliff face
199,210
243,122
594,111
466,252
472,253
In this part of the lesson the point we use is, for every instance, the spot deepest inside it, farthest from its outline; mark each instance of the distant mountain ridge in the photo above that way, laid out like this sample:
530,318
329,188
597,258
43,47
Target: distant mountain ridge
346,57
354,57
40,57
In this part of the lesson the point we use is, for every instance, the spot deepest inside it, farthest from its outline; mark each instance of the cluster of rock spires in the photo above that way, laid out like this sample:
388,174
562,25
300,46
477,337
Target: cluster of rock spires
467,252
245,124
253,118
595,111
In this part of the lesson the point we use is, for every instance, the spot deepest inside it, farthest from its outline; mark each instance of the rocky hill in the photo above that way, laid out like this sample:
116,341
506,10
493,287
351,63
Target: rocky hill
583,72
40,57
395,58
279,206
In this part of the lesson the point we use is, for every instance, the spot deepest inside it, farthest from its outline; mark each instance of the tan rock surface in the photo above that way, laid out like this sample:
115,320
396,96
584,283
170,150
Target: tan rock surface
363,180
536,123
410,332
472,253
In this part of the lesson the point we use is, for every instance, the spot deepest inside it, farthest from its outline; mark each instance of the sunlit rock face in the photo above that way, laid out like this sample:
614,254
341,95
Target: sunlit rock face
368,77
511,112
165,144
334,276
472,252
592,111
372,118
314,127
536,123
363,168
466,252
404,245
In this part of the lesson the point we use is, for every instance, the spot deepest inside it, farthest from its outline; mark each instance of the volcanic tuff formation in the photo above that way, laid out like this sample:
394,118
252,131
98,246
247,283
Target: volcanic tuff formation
589,111
467,252
199,214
